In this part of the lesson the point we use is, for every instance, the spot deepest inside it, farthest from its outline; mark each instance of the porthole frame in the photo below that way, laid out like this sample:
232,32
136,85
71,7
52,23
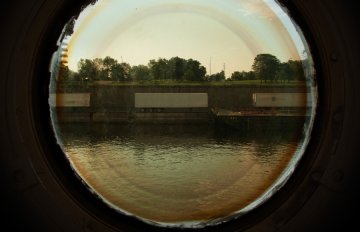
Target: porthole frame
43,174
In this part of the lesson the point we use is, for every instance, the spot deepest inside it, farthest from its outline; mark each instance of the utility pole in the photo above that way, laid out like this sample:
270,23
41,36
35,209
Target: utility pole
210,66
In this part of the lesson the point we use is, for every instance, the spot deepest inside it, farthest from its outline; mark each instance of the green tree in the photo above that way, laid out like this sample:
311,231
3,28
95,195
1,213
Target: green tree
237,76
117,72
176,68
243,75
103,69
265,67
87,70
108,67
249,75
297,70
194,71
220,76
284,73
140,73
125,71
159,69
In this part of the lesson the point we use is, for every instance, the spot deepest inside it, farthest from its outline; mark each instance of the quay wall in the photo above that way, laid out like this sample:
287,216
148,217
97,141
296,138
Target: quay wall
225,96
117,103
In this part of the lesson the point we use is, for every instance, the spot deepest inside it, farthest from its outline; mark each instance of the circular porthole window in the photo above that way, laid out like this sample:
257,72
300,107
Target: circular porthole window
183,113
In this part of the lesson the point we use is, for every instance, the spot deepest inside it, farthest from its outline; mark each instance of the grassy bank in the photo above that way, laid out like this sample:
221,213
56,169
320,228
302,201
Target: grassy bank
256,83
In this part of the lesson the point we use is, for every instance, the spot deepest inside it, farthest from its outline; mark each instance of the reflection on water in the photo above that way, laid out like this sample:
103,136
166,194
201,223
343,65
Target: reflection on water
176,173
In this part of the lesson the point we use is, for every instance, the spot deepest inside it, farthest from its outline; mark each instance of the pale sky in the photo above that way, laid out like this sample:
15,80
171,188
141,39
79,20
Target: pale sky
230,32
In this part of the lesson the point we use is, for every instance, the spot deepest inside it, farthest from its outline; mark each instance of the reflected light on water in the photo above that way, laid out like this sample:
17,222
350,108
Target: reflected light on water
178,178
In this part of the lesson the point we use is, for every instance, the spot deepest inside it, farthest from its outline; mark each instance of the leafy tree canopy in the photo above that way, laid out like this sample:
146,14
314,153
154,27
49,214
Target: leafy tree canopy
266,67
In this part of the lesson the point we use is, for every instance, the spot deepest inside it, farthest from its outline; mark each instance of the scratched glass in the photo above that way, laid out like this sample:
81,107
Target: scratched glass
183,113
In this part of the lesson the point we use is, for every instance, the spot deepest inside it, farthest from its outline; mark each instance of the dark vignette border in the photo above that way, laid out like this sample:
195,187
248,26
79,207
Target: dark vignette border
26,117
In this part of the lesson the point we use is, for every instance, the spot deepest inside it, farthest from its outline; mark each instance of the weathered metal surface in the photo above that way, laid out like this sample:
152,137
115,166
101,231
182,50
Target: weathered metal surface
70,100
171,100
281,99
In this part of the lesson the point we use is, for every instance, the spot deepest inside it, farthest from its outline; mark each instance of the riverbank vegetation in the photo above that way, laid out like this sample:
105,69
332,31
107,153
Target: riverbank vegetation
266,70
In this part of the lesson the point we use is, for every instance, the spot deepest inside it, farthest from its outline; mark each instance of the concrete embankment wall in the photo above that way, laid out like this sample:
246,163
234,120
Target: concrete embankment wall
219,96
117,103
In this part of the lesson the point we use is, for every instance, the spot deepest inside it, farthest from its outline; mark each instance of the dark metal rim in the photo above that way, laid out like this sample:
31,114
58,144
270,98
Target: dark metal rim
29,98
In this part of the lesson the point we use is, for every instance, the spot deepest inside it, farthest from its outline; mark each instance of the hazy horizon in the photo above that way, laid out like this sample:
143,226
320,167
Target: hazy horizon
214,32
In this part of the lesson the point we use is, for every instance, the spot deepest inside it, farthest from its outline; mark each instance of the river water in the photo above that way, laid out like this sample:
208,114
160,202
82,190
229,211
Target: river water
176,173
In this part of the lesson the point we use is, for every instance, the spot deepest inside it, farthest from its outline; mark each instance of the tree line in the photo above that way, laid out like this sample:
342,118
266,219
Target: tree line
266,67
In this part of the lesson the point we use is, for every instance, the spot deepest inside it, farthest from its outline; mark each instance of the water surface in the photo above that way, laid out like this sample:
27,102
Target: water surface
176,173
